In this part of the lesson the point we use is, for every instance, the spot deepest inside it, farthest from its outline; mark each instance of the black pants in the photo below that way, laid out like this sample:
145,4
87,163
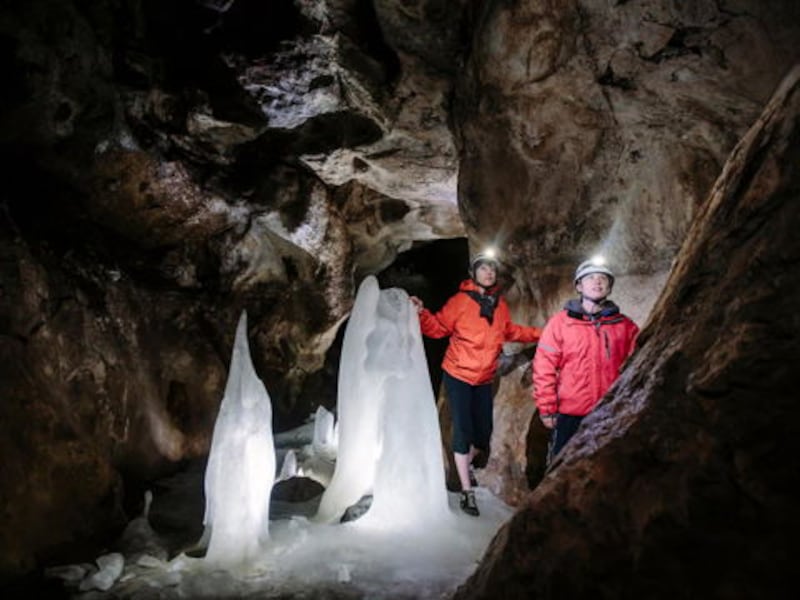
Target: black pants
471,411
565,428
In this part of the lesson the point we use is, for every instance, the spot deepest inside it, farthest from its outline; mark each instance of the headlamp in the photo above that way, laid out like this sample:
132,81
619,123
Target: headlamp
598,260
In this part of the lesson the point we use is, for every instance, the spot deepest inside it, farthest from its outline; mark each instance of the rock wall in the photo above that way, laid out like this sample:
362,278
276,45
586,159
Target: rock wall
168,164
679,484
96,381
590,127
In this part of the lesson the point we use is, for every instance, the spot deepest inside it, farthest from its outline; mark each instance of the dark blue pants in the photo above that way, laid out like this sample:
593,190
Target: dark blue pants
565,428
471,411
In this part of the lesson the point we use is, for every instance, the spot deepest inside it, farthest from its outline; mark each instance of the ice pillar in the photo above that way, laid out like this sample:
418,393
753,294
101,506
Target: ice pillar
409,488
389,437
241,464
358,406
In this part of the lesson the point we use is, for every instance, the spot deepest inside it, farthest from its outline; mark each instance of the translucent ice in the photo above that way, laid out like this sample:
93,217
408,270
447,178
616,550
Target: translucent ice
110,568
324,442
317,456
409,487
389,440
241,464
409,543
358,401
288,467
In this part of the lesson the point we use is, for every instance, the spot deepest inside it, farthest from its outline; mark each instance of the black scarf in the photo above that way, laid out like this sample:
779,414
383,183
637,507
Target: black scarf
487,302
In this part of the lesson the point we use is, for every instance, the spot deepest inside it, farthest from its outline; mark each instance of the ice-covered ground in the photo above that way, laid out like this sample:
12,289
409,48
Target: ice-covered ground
312,560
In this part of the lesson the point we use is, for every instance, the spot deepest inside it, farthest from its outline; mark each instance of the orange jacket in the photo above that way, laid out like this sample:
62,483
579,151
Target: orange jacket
475,344
579,357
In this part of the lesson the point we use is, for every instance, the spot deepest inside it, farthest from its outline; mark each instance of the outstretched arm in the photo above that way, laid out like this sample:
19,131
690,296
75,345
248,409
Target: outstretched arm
522,333
514,332
437,325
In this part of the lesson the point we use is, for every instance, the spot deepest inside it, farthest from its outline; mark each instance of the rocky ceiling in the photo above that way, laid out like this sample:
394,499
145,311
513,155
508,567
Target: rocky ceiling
170,164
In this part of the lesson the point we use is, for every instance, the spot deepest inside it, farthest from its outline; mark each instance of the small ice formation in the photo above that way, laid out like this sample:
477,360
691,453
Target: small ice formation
310,450
241,465
325,442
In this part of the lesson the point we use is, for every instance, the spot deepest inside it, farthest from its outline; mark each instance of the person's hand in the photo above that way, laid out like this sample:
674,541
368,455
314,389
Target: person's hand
548,421
417,303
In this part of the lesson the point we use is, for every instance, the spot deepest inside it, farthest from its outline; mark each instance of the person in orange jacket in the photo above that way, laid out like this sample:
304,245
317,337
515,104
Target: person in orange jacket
580,354
478,322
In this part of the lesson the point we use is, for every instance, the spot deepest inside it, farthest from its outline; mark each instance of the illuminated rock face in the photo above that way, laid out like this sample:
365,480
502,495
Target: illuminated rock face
591,128
608,126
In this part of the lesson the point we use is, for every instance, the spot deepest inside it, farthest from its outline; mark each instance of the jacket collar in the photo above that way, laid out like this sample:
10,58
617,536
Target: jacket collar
469,285
575,310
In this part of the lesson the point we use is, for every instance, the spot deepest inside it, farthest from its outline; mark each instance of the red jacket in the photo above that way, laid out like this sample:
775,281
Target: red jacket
579,357
474,343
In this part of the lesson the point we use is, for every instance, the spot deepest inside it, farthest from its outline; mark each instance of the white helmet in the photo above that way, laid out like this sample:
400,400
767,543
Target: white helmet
588,267
486,256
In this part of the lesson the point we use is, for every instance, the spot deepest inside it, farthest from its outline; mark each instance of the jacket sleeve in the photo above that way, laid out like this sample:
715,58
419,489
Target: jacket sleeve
522,333
441,324
546,365
517,333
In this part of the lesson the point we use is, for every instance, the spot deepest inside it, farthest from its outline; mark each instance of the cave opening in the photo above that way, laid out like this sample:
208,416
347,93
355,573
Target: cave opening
431,271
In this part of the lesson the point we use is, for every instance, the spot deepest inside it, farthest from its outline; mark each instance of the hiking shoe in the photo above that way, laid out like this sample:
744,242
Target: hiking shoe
468,504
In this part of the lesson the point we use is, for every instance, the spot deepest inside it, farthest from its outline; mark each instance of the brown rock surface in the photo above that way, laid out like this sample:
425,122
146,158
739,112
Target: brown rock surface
589,127
169,164
680,484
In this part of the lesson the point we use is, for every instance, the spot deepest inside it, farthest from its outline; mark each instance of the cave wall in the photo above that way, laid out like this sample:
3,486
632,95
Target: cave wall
590,127
170,164
679,485
96,382
594,127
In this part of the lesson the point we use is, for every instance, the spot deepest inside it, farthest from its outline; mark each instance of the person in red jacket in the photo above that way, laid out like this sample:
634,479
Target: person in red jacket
580,354
478,322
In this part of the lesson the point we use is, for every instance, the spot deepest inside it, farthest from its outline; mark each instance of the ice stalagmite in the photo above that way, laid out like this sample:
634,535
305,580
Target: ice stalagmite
358,407
409,488
241,465
389,439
